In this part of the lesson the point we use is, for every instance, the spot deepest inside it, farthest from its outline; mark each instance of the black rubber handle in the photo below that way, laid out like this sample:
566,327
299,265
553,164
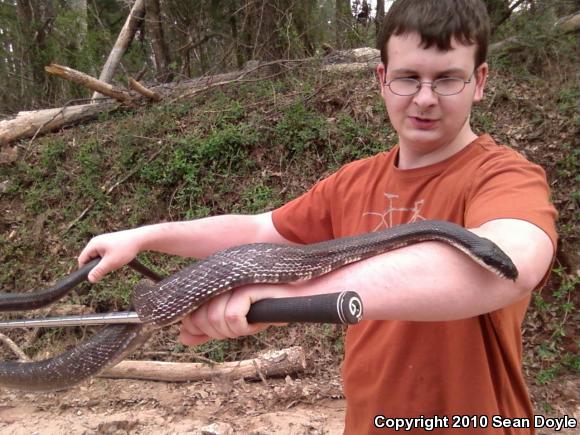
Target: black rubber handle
339,308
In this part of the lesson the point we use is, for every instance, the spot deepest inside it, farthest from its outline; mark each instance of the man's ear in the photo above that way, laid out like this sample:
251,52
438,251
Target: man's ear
480,77
380,73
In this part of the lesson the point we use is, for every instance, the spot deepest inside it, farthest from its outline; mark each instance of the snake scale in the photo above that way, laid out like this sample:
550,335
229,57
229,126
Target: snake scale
169,300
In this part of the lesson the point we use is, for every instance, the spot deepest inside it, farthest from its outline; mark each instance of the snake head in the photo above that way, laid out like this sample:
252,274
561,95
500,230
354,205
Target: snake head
495,259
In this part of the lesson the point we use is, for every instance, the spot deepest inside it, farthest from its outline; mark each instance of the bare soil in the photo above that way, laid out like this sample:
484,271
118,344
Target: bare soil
280,406
295,406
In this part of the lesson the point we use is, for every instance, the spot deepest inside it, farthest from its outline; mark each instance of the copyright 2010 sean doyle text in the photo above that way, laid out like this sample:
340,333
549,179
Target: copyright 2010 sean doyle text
473,422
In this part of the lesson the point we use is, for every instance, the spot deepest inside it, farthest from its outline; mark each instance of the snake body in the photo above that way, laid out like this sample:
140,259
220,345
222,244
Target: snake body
169,300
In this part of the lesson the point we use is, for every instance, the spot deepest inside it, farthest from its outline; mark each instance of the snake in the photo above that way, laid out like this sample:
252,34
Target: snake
169,300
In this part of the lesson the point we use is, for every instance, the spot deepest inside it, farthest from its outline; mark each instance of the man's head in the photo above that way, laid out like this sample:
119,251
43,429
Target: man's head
433,70
438,22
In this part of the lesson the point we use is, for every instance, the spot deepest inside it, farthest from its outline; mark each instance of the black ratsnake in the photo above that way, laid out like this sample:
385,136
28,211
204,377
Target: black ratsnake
169,300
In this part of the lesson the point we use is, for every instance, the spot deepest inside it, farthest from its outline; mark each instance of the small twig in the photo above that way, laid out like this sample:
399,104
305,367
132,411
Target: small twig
68,103
172,197
347,102
82,215
135,170
14,348
32,336
197,356
259,372
304,99
41,127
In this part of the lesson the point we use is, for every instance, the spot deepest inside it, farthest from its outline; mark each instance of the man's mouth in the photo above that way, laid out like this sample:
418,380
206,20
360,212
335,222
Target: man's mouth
424,123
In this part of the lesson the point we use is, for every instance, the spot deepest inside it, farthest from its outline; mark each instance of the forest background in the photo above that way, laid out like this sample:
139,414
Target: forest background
250,145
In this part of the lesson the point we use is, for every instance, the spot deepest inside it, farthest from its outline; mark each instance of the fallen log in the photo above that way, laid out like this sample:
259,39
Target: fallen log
569,23
30,123
269,364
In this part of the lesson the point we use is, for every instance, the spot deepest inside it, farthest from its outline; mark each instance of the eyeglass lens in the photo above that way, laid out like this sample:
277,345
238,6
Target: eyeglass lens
443,86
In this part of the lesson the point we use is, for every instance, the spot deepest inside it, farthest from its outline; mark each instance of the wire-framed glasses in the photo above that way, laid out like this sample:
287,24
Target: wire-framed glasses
444,86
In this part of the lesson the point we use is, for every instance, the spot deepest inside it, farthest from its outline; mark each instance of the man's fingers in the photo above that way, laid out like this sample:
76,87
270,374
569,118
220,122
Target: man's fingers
97,273
197,323
192,340
214,319
233,317
101,269
222,317
216,315
189,327
85,256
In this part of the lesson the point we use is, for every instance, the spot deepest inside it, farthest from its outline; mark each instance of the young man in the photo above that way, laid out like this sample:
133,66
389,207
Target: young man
441,335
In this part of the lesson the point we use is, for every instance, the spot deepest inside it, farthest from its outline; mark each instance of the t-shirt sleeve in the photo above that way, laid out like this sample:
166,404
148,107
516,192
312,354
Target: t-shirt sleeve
308,218
510,187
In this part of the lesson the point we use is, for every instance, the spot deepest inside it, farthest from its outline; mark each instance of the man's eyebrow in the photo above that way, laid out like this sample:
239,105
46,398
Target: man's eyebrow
453,71
444,72
404,71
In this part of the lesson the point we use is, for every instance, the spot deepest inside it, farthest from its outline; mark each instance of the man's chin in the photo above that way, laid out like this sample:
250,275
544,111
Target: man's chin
423,139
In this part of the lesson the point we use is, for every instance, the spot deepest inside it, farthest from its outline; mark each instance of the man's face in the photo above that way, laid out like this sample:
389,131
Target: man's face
427,122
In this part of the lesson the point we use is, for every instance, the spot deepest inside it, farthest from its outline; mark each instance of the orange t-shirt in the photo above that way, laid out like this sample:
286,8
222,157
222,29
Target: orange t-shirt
401,369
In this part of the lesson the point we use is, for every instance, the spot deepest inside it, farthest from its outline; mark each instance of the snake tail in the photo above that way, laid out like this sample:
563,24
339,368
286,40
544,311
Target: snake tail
104,349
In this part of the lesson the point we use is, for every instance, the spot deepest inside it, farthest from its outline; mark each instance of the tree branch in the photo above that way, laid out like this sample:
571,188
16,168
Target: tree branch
90,82
14,347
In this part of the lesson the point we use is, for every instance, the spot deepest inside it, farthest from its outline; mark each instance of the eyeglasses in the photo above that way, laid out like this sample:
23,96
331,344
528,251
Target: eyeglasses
445,86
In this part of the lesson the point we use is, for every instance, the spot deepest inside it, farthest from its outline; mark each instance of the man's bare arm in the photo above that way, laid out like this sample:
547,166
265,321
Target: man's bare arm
197,238
435,282
426,282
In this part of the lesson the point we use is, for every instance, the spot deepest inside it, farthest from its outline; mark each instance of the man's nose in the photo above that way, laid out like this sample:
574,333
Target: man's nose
425,96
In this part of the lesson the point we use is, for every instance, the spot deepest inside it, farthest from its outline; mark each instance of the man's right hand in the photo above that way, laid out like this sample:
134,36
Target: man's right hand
198,239
115,249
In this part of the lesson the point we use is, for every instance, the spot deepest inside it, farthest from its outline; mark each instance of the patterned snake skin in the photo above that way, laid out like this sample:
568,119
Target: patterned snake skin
169,300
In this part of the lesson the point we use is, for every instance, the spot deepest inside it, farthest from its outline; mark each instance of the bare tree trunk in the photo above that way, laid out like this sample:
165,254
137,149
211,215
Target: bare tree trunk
497,9
35,20
25,16
240,59
123,41
268,30
380,16
302,17
154,29
249,27
342,21
80,9
337,26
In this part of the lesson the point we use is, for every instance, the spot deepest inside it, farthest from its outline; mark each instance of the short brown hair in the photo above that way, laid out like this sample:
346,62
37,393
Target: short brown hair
438,21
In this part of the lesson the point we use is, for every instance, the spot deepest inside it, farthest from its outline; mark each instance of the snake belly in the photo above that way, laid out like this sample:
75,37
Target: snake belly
169,300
